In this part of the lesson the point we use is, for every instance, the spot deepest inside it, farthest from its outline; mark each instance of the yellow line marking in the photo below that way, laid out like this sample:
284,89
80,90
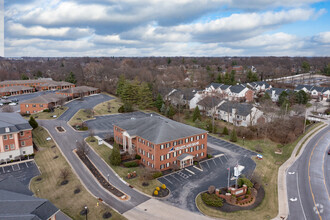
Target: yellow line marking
309,178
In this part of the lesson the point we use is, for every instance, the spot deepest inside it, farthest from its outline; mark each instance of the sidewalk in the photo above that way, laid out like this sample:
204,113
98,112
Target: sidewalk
155,209
283,206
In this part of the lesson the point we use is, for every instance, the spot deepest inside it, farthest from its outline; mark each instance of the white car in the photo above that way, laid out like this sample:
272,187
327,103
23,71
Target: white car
13,103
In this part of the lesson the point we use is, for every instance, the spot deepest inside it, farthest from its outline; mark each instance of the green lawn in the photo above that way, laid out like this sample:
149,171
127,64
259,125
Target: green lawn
49,115
49,186
105,152
267,171
102,108
81,116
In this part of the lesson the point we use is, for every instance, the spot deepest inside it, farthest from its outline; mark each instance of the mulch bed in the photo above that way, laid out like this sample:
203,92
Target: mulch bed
162,193
39,179
60,129
107,215
76,191
230,208
55,157
64,182
98,176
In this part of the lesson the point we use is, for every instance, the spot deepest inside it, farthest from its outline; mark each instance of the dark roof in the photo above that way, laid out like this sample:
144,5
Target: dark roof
44,80
13,185
210,101
17,203
186,93
224,87
215,85
47,98
300,87
243,109
261,83
14,121
157,129
78,89
319,89
278,91
15,88
237,88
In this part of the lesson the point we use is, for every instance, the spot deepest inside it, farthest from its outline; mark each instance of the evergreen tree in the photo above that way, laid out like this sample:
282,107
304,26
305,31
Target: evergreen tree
127,93
159,102
71,78
283,98
225,131
24,77
227,79
169,61
266,97
196,114
171,112
232,77
219,78
306,67
233,136
255,77
249,76
33,123
145,96
301,97
115,158
163,109
120,84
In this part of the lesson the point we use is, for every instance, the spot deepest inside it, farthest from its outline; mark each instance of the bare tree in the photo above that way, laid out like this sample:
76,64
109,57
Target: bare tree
64,174
91,133
82,148
8,108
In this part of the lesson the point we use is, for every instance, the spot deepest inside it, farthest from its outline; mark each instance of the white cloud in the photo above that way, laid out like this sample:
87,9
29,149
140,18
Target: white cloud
265,4
323,38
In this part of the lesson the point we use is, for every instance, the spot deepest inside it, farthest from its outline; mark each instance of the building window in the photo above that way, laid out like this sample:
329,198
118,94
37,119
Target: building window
192,139
6,147
197,155
22,133
203,136
152,165
162,166
41,105
197,137
187,140
11,136
191,149
168,156
197,147
168,145
143,152
24,152
23,143
174,143
148,155
174,154
12,146
168,164
180,152
187,150
202,146
33,106
27,106
140,140
152,146
161,157
148,144
5,137
162,146
152,157
202,154
148,163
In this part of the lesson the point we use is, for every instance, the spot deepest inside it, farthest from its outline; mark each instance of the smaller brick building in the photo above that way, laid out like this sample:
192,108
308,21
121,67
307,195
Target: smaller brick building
41,103
80,91
15,90
15,136
162,143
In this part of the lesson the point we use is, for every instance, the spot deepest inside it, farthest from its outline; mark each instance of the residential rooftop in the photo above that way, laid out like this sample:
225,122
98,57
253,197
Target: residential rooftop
243,109
47,98
14,121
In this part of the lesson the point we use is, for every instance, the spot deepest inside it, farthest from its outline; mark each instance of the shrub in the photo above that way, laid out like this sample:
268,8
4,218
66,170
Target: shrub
195,163
225,131
85,128
211,189
33,123
244,181
46,110
157,174
209,156
233,136
138,157
163,186
156,193
157,188
248,192
131,164
115,158
212,200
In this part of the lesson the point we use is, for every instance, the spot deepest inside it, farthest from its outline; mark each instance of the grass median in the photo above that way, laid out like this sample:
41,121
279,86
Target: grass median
49,115
62,196
104,152
267,171
109,107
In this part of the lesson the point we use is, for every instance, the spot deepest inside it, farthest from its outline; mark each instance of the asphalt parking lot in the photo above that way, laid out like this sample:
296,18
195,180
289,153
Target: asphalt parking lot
103,125
23,172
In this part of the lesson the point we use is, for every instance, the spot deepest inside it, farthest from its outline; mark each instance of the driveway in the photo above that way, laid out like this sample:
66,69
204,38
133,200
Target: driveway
85,103
186,184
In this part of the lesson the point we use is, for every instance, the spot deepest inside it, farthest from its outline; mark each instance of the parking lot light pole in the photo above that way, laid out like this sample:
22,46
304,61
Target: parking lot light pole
86,211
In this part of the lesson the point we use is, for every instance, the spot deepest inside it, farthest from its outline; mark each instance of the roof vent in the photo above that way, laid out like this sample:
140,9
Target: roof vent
7,130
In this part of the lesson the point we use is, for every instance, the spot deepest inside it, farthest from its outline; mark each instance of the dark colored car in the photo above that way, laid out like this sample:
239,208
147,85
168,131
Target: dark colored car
329,152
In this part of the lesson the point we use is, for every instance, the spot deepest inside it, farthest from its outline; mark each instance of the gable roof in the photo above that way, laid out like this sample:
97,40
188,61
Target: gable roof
278,91
78,89
15,88
210,101
300,87
14,121
47,98
157,129
243,109
237,88
215,85
13,185
186,93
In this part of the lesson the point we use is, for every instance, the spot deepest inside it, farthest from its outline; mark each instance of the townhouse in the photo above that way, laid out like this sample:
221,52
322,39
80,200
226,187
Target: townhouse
15,136
275,93
239,114
54,85
40,103
80,91
315,91
233,93
162,143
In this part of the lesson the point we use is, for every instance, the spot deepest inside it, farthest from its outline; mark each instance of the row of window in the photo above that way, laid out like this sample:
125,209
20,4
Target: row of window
177,153
34,105
5,137
162,166
179,142
146,143
144,153
148,163
12,146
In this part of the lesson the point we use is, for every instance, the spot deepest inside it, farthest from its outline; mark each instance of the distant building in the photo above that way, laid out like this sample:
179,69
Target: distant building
15,90
275,93
18,202
161,142
315,91
185,96
40,103
15,136
260,86
232,93
80,91
239,114
30,83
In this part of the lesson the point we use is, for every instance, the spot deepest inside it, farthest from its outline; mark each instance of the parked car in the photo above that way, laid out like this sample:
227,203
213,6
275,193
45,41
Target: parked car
1,104
13,103
329,152
14,100
5,97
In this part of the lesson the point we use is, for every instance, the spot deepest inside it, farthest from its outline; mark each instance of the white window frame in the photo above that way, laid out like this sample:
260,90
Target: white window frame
6,147
192,139
161,157
23,143
202,146
21,133
162,146
197,137
11,136
5,137
12,146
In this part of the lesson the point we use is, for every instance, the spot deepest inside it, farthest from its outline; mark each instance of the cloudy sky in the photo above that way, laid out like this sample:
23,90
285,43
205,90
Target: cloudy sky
167,28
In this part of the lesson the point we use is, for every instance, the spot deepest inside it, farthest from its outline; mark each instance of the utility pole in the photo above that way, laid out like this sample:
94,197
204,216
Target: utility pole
228,177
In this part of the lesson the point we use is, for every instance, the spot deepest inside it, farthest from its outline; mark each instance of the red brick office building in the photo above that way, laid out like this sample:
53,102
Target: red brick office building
161,142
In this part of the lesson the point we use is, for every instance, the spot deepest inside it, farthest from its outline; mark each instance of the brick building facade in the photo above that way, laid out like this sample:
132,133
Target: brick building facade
15,136
41,103
162,143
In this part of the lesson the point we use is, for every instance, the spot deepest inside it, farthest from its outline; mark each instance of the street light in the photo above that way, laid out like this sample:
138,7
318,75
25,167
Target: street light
86,211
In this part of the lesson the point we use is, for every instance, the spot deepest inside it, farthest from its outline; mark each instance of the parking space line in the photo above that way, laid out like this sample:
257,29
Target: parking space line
220,160
198,168
208,164
214,162
26,165
175,178
168,180
190,171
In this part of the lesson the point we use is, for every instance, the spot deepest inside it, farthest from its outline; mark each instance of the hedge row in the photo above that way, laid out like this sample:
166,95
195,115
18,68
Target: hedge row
212,200
131,164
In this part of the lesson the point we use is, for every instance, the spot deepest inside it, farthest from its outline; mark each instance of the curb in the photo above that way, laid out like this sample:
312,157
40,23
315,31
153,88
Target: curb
283,205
